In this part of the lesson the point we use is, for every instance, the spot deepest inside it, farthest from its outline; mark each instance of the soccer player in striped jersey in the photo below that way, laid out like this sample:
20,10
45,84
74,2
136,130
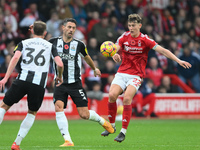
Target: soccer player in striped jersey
33,56
71,50
135,47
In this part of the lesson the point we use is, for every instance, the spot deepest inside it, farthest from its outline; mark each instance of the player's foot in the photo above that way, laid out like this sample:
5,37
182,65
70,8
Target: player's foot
67,143
15,146
106,133
108,127
120,137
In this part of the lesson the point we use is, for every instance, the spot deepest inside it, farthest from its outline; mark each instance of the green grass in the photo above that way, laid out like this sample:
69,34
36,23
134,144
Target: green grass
141,135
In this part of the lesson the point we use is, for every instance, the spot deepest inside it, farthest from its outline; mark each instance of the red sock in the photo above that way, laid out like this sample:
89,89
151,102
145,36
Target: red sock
112,110
126,116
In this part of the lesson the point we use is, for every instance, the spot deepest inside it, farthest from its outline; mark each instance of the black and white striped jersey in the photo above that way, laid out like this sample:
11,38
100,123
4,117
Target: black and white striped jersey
33,65
70,54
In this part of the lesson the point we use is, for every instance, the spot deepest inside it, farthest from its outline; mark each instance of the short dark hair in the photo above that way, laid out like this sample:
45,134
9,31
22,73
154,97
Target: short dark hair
65,21
134,18
39,27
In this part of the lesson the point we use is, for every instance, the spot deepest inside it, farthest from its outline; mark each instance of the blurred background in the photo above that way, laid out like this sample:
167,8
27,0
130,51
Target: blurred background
174,24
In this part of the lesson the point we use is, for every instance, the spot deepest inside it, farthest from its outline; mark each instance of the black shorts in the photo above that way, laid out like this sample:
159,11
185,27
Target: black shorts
76,92
19,88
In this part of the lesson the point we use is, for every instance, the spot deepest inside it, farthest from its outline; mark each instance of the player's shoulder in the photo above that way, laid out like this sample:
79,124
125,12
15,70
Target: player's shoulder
53,39
79,41
145,37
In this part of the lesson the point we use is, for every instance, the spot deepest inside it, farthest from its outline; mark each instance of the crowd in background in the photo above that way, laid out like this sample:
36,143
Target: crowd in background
174,24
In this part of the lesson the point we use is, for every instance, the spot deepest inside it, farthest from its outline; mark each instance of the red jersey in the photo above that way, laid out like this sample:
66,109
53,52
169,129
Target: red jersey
134,53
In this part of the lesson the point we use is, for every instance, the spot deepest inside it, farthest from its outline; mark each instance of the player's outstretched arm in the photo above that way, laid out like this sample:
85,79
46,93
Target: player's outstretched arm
11,66
90,62
60,68
171,56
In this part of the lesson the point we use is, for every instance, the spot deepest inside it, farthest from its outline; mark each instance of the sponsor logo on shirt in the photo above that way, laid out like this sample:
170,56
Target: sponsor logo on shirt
66,56
133,49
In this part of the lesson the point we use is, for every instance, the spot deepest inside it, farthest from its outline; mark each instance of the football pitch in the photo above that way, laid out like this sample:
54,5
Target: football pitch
147,134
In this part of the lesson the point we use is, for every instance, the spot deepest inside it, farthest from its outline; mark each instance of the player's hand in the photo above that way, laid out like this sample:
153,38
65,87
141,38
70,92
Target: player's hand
116,58
2,84
185,64
59,81
97,72
31,28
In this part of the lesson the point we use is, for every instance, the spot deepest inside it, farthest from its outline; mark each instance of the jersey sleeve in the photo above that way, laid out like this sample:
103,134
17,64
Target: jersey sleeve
83,50
19,47
54,51
151,43
120,40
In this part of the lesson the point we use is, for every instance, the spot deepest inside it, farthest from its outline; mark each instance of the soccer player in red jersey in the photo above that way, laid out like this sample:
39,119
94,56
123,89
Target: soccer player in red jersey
135,47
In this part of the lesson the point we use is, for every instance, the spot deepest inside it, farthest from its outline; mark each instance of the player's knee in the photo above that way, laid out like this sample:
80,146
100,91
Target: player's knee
58,107
127,100
112,97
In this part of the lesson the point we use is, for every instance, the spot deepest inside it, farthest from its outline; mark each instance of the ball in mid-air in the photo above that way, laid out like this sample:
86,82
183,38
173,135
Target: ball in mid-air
108,49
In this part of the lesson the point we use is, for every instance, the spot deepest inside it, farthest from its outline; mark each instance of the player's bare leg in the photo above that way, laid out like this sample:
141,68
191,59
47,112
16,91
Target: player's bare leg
3,109
93,116
115,91
128,96
62,123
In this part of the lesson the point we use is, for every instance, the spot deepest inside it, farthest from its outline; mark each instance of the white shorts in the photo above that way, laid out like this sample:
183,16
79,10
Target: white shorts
123,80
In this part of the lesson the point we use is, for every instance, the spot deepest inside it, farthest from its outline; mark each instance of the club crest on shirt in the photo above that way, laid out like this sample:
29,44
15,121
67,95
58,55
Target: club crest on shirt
72,48
139,43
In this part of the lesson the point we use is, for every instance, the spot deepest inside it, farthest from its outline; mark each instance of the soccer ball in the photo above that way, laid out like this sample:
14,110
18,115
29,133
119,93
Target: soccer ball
108,49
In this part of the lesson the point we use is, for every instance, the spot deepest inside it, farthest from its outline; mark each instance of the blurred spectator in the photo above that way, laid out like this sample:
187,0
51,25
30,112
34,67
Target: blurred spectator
44,5
168,21
154,72
79,35
10,34
14,10
166,83
109,67
53,24
119,28
10,19
133,7
2,38
27,20
91,79
144,96
103,31
180,19
62,7
195,12
108,6
122,12
90,8
4,66
10,46
197,26
161,89
186,26
109,81
95,93
190,75
155,19
78,12
93,50
94,20
172,7
34,11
